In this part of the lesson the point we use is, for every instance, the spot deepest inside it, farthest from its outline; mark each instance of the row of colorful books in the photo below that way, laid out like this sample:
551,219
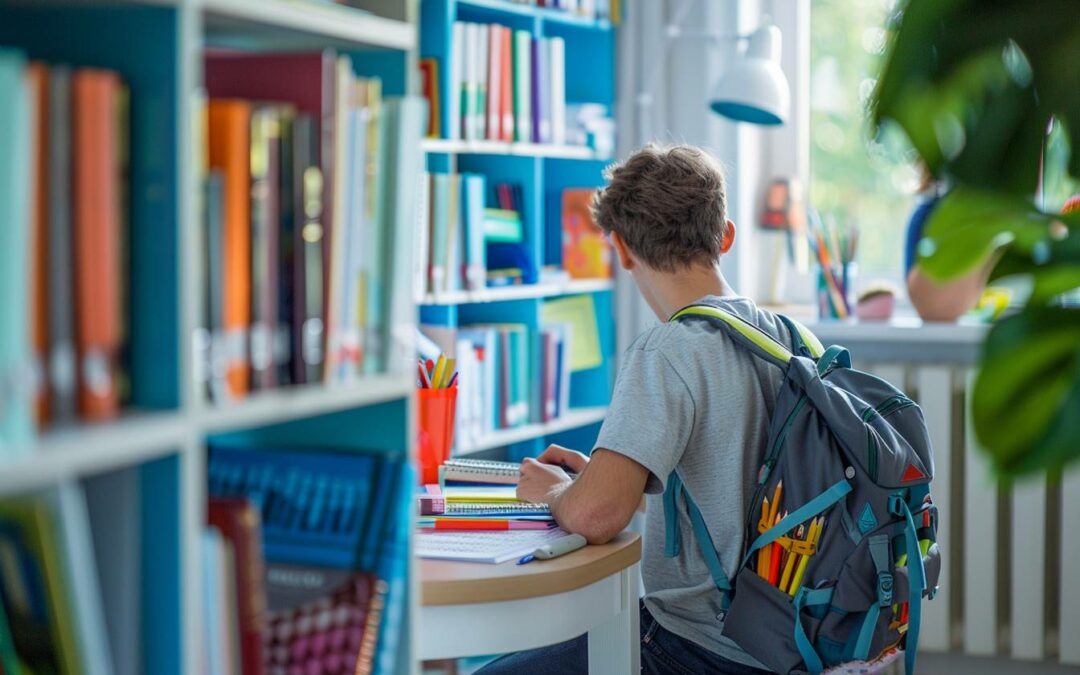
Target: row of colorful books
308,172
63,245
469,237
592,9
495,388
305,557
69,579
505,85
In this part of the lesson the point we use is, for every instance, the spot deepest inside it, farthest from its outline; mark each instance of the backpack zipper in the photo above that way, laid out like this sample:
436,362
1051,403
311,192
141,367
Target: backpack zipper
774,453
885,408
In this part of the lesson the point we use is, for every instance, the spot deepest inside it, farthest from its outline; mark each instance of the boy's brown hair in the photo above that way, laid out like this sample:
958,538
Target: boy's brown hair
668,203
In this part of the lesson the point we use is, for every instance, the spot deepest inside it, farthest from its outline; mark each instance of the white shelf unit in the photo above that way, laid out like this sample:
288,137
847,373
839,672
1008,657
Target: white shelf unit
460,147
522,292
573,419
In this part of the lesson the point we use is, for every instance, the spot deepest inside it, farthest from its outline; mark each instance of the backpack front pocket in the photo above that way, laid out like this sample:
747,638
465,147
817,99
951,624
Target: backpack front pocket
761,620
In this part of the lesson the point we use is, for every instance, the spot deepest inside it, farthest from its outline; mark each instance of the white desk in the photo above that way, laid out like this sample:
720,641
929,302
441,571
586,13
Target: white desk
470,609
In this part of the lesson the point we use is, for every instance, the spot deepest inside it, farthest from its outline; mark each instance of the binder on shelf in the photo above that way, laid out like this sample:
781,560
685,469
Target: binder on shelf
61,360
95,95
16,411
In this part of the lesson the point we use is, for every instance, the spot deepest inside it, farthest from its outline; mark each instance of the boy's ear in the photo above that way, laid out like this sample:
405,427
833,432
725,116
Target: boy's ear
626,259
729,238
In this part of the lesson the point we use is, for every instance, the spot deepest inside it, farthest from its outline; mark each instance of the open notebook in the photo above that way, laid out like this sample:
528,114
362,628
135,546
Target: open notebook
482,547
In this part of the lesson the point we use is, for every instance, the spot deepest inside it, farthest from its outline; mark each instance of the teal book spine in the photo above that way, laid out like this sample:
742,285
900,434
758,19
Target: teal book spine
475,187
16,422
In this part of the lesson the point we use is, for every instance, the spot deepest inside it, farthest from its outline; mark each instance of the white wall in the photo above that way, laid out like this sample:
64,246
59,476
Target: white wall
678,112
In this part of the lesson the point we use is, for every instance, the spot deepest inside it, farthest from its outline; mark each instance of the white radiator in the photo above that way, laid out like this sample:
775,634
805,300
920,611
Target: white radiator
1010,582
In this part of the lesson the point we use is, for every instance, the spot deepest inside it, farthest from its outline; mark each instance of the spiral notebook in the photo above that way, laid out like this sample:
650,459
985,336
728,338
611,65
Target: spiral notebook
472,471
483,547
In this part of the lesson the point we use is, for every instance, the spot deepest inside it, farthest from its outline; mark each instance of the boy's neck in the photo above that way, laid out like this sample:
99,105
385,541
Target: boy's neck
668,292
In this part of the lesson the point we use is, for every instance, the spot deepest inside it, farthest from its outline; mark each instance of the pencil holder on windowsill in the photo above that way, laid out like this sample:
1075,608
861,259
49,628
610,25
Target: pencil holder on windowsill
436,415
835,286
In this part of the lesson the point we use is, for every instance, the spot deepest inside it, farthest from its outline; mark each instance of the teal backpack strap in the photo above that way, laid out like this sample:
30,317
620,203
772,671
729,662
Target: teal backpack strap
672,543
834,354
807,597
805,343
879,552
808,510
916,581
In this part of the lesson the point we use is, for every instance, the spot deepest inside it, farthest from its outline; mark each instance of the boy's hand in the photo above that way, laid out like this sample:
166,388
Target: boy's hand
560,456
539,482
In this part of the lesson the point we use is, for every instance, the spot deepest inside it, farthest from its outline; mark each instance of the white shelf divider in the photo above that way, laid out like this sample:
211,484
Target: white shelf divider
572,420
290,24
459,147
291,403
88,449
522,292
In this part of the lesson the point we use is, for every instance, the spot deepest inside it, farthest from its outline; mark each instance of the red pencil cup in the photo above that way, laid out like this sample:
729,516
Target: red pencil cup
436,430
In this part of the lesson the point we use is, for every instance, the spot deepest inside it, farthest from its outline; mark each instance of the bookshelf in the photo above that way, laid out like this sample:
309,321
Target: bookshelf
543,171
157,444
156,447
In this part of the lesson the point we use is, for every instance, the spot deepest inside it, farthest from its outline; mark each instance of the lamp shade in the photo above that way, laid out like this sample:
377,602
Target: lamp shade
754,89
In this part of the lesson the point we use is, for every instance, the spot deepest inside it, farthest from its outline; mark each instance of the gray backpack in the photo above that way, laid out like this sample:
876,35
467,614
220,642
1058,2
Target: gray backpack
836,571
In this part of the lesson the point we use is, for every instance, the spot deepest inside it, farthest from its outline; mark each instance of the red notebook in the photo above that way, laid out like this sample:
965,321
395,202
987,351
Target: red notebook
239,522
97,239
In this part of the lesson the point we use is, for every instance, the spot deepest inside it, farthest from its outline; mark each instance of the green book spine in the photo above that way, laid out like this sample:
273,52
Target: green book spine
523,86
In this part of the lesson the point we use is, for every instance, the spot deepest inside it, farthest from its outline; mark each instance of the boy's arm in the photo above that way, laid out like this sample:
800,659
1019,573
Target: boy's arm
599,504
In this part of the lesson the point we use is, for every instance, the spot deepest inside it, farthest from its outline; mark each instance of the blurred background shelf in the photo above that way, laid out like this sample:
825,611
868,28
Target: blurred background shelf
574,419
522,292
459,147
290,25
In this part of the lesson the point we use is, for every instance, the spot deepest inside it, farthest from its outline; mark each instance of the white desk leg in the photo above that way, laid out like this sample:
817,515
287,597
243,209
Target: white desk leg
615,645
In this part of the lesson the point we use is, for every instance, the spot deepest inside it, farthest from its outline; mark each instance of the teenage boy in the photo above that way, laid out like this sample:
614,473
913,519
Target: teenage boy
686,398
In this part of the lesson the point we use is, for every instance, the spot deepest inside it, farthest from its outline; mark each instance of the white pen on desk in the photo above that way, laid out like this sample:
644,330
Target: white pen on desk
560,546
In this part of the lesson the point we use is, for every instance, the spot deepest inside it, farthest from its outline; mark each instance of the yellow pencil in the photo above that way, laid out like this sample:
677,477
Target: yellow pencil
811,536
763,524
789,567
448,372
776,501
437,374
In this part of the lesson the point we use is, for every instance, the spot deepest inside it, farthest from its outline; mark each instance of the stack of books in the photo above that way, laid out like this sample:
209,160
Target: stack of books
505,85
479,495
308,172
64,243
304,548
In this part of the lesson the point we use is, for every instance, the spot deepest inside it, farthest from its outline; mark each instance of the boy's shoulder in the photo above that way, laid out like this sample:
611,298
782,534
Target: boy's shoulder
680,337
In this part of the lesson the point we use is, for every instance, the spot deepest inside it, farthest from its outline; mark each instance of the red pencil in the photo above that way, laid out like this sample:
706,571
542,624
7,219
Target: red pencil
482,524
774,557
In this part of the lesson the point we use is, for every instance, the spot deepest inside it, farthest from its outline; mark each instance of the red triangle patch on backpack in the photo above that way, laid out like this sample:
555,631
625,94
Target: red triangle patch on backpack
912,473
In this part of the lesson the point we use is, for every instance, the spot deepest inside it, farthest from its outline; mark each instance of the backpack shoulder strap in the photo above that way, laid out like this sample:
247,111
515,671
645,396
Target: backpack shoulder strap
742,331
805,342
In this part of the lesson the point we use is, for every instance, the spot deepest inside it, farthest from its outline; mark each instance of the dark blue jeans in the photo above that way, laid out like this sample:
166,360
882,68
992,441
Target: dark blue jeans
662,653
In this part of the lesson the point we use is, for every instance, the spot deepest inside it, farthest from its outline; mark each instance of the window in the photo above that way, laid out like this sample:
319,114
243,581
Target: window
855,179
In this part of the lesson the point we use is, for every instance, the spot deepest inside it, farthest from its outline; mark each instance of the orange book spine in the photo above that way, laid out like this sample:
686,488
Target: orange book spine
229,137
38,74
506,88
97,240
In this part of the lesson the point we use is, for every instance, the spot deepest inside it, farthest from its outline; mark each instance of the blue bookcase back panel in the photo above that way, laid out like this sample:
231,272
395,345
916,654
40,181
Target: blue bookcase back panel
141,43
387,65
161,587
559,175
590,59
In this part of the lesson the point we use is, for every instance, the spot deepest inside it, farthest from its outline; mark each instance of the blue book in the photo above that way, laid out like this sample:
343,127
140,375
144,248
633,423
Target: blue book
381,505
16,422
394,570
474,187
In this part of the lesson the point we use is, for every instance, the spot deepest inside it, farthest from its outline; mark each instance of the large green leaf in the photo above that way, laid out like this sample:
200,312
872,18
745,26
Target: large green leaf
1025,402
973,83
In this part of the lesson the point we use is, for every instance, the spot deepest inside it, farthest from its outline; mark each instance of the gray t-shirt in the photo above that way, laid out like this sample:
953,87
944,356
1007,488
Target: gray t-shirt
688,398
